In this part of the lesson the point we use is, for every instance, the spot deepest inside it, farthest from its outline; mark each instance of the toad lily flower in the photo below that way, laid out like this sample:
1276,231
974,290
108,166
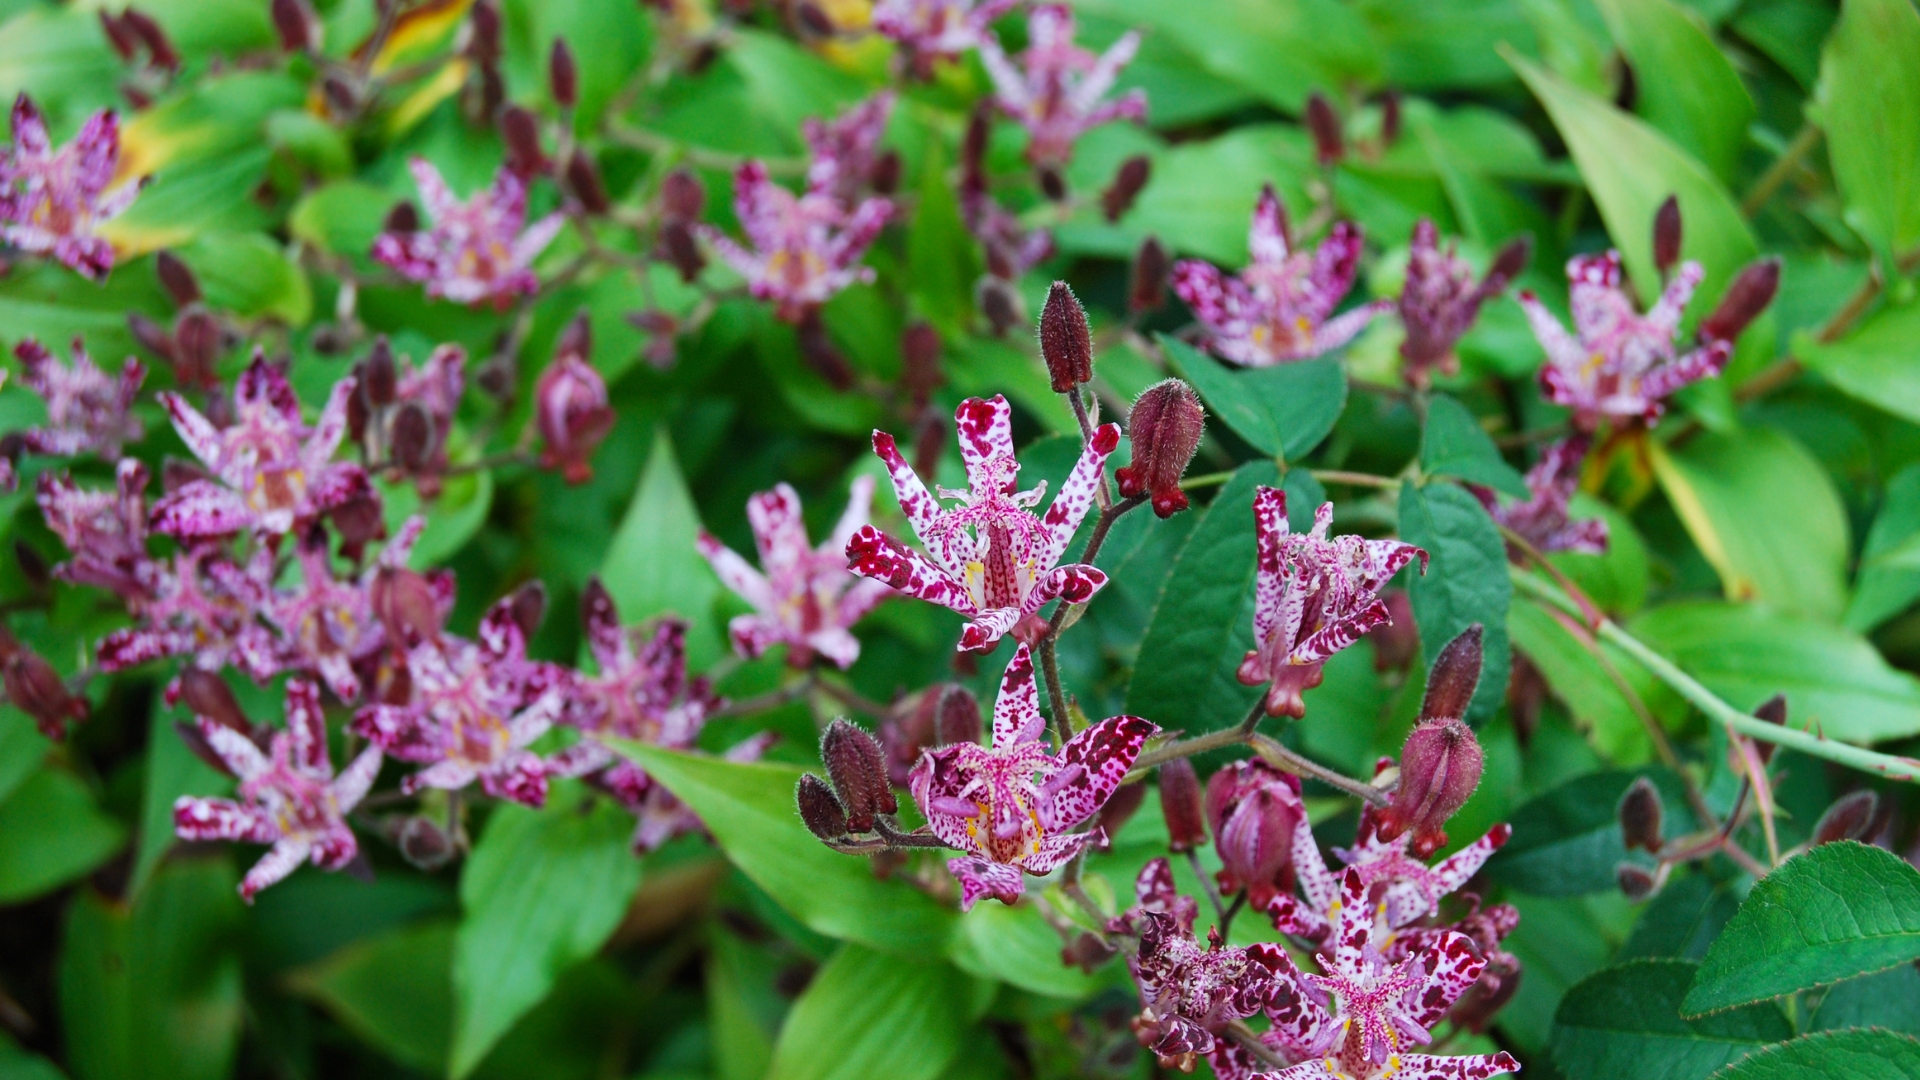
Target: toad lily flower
805,247
1009,807
1621,365
54,201
87,409
327,625
1543,519
1057,98
105,530
481,249
842,150
1441,300
289,796
930,30
991,558
1313,596
1280,307
272,472
803,596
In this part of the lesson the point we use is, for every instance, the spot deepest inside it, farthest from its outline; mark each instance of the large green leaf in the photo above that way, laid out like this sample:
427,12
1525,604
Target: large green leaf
392,991
743,1005
542,891
453,516
1839,910
1466,580
1283,410
1454,444
749,809
1868,103
1888,999
1567,842
1833,1055
1016,945
248,274
1835,681
941,262
652,565
172,771
1625,1021
1685,86
52,831
1564,654
1729,490
870,1014
1874,362
1889,579
22,749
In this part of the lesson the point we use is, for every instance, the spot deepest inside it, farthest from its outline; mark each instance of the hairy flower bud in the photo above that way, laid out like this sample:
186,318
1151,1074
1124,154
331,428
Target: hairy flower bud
520,130
1773,711
957,717
1180,804
682,196
1743,301
424,844
1128,180
884,176
529,607
359,521
999,304
1066,341
1254,810
1118,810
160,50
1455,674
819,810
33,565
37,690
1166,425
572,414
404,602
119,36
1087,951
1636,882
210,698
1147,289
1396,641
920,372
1666,234
150,335
680,248
858,769
583,179
1439,768
1510,263
1640,816
379,378
297,25
1329,144
197,745
563,75
176,278
484,46
1852,817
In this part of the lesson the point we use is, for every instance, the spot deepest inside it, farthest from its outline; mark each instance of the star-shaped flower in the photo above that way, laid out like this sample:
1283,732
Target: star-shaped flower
1009,807
842,150
105,530
930,30
327,625
481,249
87,409
1280,307
991,558
53,202
289,796
1543,520
1056,91
805,248
1313,596
1440,301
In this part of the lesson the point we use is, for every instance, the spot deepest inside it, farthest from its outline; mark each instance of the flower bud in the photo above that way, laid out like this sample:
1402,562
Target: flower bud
858,769
410,438
1148,288
359,522
405,603
1455,674
572,414
1118,810
973,146
563,75
819,810
1439,768
160,50
956,719
1743,301
342,97
176,474
1509,264
1053,184
1773,711
929,442
814,19
484,46
119,36
884,176
1180,804
1666,234
33,565
1165,426
1390,117
210,698
528,606
197,344
1329,144
295,22
1640,816
150,335
680,248
1397,640
379,377
37,690
920,362
197,745
823,356
1066,341
176,278
682,196
1088,952
999,304
1128,180
1635,881
1852,817
520,130
404,217
583,179
423,843
1254,810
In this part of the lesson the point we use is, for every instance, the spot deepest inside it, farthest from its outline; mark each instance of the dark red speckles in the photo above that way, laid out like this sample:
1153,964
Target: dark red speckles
1106,438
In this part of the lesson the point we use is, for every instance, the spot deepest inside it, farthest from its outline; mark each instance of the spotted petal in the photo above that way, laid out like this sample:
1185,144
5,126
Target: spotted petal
1102,754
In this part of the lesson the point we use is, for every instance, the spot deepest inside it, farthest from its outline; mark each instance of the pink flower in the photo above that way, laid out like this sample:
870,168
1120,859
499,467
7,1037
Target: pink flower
803,596
929,30
289,796
271,472
481,249
1543,519
1011,248
1280,307
54,202
1009,807
1313,596
105,530
327,626
805,247
571,410
1622,365
842,149
1255,811
1440,300
87,409
1057,98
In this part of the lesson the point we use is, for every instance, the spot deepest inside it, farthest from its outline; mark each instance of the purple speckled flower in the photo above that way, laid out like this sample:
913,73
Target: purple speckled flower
1543,519
843,149
930,30
88,410
1057,90
481,249
52,201
805,247
1440,302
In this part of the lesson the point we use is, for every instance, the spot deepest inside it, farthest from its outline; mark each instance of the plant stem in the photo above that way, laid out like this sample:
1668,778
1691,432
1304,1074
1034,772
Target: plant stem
1777,173
1240,1033
1199,744
1049,665
1354,479
1214,479
851,699
1207,886
1286,760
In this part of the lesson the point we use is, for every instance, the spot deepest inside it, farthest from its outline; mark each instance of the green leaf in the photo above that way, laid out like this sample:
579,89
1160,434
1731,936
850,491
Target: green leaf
869,1014
19,1064
1685,87
1889,580
1888,999
248,274
453,517
1625,1021
1563,653
941,261
1618,580
51,831
652,565
1868,103
1835,681
1016,945
542,891
1567,841
1454,444
1833,1055
749,809
1788,32
1839,910
1731,490
391,991
1466,581
1874,362
343,218
1283,410
172,771
983,367
744,1004
1682,920
22,749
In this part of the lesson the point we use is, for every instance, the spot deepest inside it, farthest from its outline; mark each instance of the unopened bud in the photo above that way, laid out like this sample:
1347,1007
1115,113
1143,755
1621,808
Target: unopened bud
197,344
1066,341
160,51
999,304
528,606
119,36
1510,263
1397,640
520,130
1118,810
1165,426
1439,768
1127,182
820,811
1773,711
33,565
176,278
563,75
823,356
209,698
150,335
1254,810
583,179
1454,676
1088,952
1666,234
403,218
1180,804
572,413
1743,301
682,250
682,196
858,768
576,339
405,603
1640,816
341,95
920,371
410,438
1390,117
1850,818
296,24
423,843
1053,184
1148,288
197,745
484,46
37,690
929,442
359,521
380,377
956,719
884,176
1329,145
814,19
176,474
1636,882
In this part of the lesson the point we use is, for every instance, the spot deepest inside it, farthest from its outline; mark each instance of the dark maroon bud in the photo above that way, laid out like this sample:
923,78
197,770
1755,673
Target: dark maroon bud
583,179
1666,235
702,58
1119,809
682,196
563,75
1066,341
1254,811
33,565
1053,185
405,603
199,747
1088,952
529,607
403,218
1635,881
999,304
973,147
340,94
1455,674
1640,816
823,356
410,439
1439,768
1850,818
380,377
1127,182
119,35
1165,426
1526,695
496,377
682,250
1390,117
820,811
358,411
1148,289
956,719
197,342
929,442
150,335
424,844
13,446
1329,144
1180,803
208,697
1396,641
176,278
884,176
576,339
493,90
1744,300
1510,263
814,20
485,44
37,690
920,372
520,129
359,521
294,21
1773,711
160,51
858,768
1629,89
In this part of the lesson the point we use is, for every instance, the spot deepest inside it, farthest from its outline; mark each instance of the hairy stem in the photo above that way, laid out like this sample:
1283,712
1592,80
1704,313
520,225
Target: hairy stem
1286,760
